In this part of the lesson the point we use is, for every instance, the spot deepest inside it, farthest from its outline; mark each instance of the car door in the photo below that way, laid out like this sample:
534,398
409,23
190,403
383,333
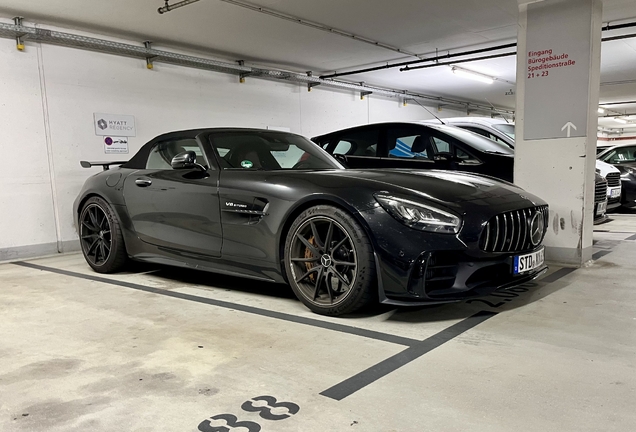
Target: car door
176,208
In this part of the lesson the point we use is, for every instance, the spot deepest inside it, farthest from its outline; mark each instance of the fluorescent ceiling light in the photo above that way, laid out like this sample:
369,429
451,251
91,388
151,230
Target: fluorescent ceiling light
620,120
601,110
472,75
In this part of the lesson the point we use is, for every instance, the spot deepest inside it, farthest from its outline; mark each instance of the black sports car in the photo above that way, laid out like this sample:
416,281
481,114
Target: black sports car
623,157
274,206
418,145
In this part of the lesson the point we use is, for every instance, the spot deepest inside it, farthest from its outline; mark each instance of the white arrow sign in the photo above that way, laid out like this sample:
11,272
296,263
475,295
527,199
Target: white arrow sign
569,126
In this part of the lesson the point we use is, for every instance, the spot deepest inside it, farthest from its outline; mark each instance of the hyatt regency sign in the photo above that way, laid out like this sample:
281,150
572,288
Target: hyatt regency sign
117,125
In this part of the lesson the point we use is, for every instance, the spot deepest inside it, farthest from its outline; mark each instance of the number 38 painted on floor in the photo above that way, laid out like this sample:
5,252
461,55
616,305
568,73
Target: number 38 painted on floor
264,412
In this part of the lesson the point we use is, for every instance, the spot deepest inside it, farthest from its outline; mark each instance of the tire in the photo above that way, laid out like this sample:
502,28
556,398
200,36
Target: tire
101,238
334,277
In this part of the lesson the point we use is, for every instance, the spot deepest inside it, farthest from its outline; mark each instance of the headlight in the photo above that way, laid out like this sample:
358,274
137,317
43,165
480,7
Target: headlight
628,171
419,216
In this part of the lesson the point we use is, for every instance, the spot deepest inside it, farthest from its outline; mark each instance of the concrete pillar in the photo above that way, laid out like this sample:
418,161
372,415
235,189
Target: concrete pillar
558,79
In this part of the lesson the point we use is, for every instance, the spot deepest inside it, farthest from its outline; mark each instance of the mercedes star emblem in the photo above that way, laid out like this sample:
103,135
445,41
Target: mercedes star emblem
536,228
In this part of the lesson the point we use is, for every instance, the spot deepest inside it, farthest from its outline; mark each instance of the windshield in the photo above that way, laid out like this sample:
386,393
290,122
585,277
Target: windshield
507,128
264,150
619,155
474,140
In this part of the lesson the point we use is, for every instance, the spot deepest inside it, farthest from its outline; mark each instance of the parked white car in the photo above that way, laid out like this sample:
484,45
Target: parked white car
504,132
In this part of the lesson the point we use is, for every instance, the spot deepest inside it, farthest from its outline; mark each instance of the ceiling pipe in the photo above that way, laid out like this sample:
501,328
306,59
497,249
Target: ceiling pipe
317,26
608,27
619,103
407,68
168,7
117,48
431,59
450,63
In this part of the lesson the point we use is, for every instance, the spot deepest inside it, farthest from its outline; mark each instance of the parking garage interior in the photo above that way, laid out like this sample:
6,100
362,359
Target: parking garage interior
177,348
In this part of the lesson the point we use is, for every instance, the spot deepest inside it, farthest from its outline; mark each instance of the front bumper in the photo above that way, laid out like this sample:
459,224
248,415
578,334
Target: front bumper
417,268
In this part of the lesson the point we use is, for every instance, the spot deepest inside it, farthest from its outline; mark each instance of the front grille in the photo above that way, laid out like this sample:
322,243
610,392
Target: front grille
613,179
510,231
600,191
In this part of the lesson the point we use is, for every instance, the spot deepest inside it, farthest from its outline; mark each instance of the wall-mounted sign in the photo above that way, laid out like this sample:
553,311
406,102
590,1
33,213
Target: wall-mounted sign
114,144
557,70
110,124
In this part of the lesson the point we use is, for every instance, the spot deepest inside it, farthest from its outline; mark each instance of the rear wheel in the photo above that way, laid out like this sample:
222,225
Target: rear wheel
100,237
329,261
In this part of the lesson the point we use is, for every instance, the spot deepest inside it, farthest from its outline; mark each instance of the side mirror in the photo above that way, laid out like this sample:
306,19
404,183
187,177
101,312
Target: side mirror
186,160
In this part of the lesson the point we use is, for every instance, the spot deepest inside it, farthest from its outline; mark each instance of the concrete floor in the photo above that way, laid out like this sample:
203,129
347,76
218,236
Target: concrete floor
156,350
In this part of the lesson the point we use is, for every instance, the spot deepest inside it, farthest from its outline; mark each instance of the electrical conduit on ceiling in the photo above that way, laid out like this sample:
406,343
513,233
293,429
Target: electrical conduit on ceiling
83,42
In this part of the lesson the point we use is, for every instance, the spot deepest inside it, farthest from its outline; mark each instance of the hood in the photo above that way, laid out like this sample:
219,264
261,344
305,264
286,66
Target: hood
456,190
605,168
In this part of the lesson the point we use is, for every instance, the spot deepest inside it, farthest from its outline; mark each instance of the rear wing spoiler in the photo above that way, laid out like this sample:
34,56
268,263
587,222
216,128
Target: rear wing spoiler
105,165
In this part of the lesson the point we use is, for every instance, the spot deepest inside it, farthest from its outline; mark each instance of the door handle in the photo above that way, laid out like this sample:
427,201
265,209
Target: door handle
143,182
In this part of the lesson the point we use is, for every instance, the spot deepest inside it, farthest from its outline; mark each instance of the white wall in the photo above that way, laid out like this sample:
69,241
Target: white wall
605,142
60,88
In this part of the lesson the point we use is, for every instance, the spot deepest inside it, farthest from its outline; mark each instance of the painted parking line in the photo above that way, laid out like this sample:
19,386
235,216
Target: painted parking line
385,337
416,348
385,367
557,275
600,254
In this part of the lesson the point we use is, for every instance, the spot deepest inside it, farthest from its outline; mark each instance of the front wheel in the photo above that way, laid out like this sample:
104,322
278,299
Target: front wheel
329,261
100,237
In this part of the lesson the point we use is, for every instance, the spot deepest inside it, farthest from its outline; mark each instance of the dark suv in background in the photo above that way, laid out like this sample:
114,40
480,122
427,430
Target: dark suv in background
416,145
623,157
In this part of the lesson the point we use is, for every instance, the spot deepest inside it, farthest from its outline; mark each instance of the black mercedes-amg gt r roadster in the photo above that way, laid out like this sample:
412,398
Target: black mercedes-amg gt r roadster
274,206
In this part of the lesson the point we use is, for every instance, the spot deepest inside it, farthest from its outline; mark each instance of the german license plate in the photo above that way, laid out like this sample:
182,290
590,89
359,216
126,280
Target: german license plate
601,209
526,263
615,192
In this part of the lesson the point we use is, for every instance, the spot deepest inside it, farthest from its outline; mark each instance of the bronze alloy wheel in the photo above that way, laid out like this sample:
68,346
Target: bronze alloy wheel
329,261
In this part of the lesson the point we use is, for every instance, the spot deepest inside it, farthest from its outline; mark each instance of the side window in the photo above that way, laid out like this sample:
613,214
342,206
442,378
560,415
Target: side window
621,155
457,153
441,145
476,130
162,153
484,133
358,143
465,158
410,143
343,147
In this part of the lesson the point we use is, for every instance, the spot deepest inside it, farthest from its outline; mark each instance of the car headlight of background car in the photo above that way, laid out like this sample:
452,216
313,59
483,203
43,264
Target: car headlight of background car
419,216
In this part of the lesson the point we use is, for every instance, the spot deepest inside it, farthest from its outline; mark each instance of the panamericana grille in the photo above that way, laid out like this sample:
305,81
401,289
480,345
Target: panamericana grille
510,231
613,179
600,191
